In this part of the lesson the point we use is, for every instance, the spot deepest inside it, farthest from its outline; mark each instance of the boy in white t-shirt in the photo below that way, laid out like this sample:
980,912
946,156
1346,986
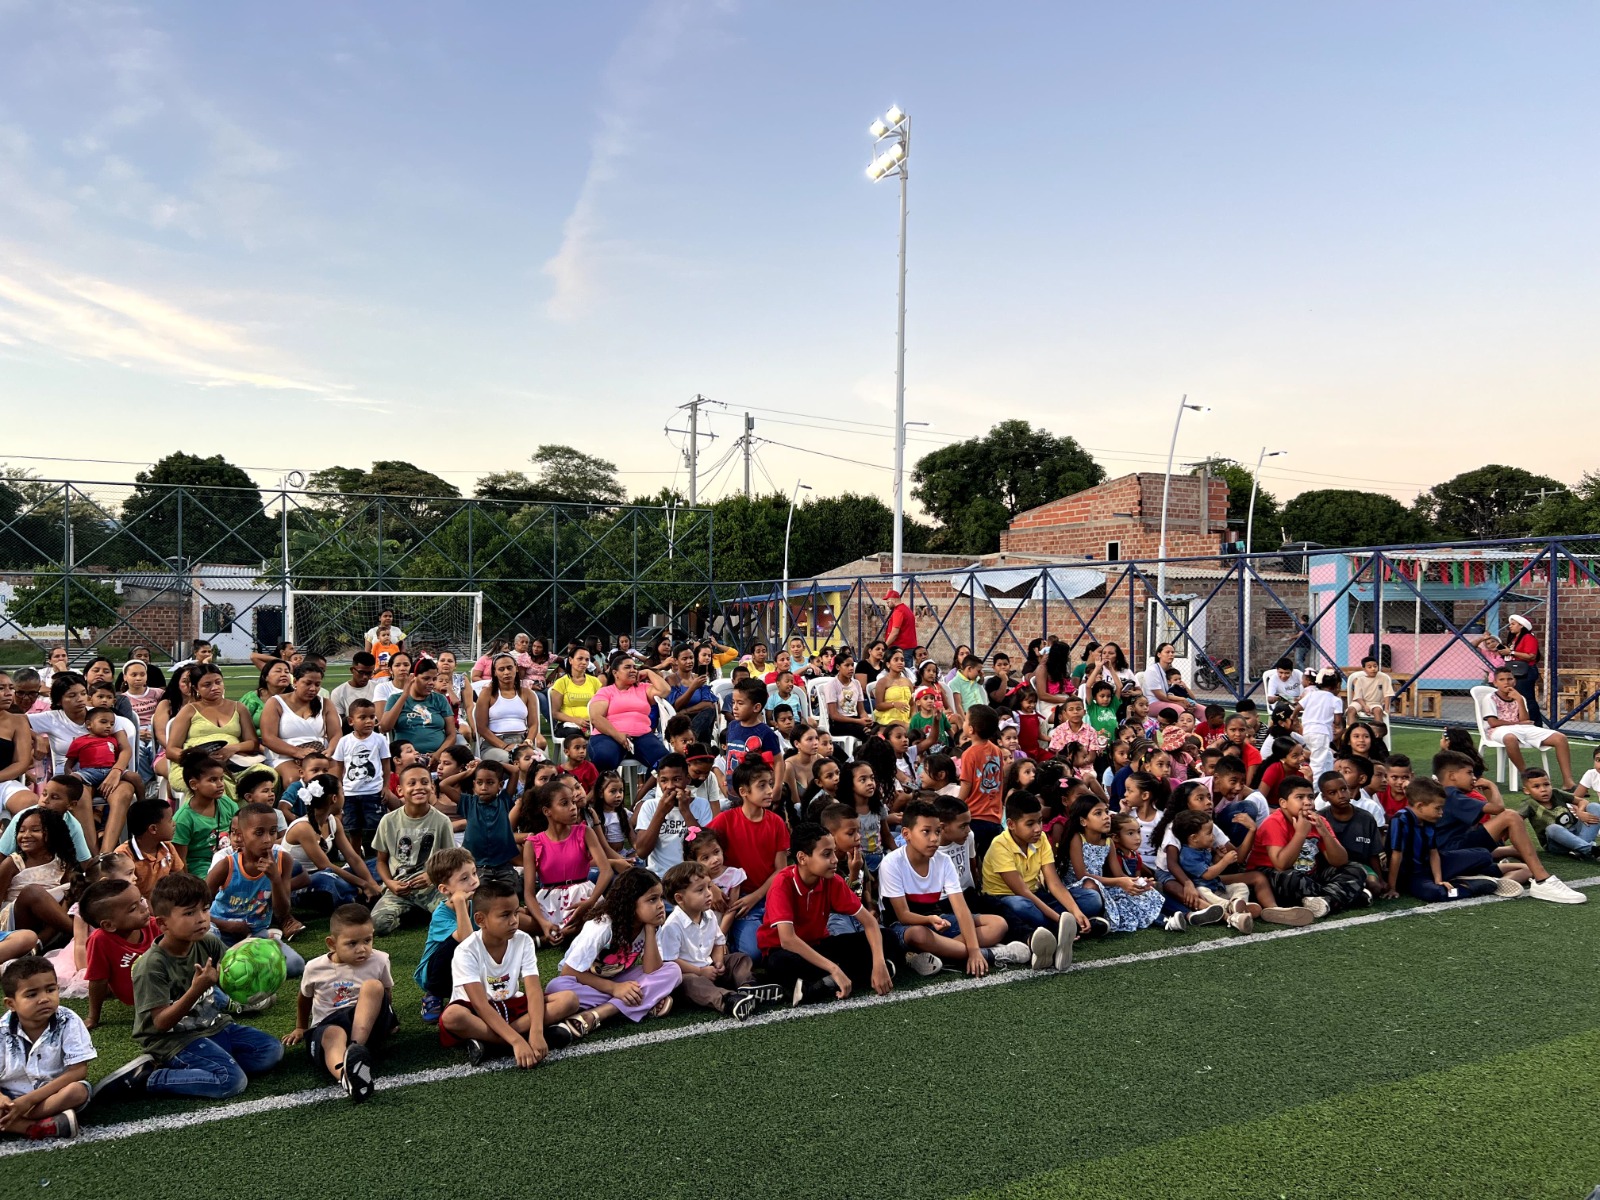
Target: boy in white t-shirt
927,908
496,999
346,1002
713,976
1321,716
358,761
1589,785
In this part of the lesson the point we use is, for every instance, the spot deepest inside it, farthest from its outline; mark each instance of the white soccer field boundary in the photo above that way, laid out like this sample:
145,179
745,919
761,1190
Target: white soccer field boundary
652,1037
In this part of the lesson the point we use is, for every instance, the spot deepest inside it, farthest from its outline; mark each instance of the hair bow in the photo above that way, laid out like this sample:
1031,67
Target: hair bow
691,833
312,789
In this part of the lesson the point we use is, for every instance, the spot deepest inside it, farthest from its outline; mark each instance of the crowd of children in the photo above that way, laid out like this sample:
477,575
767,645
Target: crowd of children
821,828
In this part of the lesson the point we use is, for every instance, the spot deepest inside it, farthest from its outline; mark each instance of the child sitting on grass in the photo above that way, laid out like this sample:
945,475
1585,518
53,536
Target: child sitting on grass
121,929
929,911
496,1000
1215,873
556,862
406,838
250,887
1019,876
692,937
192,1047
346,1002
1129,902
1563,824
614,965
1305,864
802,957
45,1052
1355,827
1416,865
206,813
454,876
485,805
35,878
1469,823
149,845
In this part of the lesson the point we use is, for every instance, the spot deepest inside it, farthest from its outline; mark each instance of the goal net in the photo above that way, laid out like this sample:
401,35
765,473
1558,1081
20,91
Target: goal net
336,624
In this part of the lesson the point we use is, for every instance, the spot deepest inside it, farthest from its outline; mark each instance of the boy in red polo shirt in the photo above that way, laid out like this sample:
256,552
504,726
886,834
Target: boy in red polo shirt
801,957
757,843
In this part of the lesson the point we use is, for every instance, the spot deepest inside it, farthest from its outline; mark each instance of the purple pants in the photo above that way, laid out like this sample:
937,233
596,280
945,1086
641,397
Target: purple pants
656,986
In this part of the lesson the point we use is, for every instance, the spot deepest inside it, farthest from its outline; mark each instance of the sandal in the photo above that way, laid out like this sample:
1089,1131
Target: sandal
662,1008
581,1025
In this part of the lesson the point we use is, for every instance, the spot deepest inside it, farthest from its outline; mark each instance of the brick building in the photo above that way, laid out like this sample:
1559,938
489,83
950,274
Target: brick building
1121,518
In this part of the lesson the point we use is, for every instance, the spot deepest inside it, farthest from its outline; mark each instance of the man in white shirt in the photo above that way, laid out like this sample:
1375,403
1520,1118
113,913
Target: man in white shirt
1284,682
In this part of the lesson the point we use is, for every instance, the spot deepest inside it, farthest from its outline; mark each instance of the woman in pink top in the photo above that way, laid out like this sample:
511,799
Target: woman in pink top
623,714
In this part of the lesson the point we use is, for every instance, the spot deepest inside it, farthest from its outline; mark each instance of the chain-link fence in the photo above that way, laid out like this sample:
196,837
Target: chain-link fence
105,567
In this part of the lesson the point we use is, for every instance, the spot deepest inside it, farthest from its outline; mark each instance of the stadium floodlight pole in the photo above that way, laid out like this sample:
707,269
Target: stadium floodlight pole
892,132
783,599
1166,492
1249,533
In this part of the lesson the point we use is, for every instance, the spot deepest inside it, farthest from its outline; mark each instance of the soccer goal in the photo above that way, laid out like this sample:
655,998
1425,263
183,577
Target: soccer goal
336,624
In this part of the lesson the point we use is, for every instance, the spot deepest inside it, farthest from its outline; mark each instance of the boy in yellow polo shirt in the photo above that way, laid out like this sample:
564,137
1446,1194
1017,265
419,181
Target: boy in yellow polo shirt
1019,872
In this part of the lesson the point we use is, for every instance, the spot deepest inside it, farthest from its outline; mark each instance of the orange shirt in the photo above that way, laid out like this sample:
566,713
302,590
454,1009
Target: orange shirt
150,869
985,768
383,652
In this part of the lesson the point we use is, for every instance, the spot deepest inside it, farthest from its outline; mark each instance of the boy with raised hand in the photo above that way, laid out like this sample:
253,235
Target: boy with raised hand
1305,863
497,999
1416,866
405,839
757,842
346,1002
1019,876
802,957
454,874
192,1047
1469,823
929,911
45,1052
120,930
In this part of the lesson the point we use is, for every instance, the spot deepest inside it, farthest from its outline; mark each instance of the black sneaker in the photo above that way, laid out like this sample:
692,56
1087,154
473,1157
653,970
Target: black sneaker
813,993
126,1080
740,1007
558,1037
475,1052
1098,927
765,993
356,1078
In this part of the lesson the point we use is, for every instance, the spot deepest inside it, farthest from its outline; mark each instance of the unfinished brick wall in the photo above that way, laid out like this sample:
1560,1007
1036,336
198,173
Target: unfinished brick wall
1082,524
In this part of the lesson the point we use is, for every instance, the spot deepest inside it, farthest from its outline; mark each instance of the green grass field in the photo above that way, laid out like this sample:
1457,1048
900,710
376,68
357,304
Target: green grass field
1398,1051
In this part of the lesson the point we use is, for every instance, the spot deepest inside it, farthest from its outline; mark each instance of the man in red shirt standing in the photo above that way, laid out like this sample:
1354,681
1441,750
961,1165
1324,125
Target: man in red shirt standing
902,629
800,955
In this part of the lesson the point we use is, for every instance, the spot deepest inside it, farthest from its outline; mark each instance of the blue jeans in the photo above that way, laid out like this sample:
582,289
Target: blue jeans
1089,899
219,1066
1577,840
1023,916
607,755
362,814
742,938
329,884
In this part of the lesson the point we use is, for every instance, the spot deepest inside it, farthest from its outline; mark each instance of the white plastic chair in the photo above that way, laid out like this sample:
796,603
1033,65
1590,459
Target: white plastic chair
818,702
1505,774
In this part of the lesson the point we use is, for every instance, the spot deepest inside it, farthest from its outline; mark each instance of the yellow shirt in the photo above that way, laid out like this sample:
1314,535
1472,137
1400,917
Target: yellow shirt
574,697
1005,855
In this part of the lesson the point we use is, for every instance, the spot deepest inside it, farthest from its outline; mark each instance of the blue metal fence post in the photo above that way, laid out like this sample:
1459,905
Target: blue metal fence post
1552,652
1377,607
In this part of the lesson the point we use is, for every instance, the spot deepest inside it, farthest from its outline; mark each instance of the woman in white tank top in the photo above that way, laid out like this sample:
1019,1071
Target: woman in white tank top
298,722
503,715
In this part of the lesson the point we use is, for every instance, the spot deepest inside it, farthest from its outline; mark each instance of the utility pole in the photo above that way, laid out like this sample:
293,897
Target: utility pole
691,452
749,432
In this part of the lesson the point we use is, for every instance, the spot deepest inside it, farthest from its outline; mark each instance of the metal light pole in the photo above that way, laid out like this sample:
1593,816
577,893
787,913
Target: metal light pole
783,600
894,127
1249,533
1166,492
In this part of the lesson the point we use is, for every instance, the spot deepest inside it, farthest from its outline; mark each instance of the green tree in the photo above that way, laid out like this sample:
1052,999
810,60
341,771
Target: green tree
1491,502
512,487
1238,477
975,487
204,509
577,478
1568,512
88,602
1337,517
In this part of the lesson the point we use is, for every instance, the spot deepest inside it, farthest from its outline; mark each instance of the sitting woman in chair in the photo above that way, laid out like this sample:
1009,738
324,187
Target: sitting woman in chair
1510,729
623,715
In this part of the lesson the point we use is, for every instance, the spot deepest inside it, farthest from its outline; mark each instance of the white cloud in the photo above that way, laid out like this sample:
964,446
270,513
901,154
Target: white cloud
628,91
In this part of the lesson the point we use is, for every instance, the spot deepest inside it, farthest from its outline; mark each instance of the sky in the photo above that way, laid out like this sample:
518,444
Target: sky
307,234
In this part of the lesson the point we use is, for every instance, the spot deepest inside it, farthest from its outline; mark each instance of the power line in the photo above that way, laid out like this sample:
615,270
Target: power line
823,454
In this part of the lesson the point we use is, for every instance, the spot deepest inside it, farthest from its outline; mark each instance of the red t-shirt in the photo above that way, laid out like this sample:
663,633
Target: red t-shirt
906,639
585,773
111,958
753,846
983,765
1391,803
1248,754
1278,830
806,908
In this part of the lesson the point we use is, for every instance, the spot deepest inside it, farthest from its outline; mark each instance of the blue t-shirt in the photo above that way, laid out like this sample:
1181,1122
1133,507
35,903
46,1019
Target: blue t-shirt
1461,816
1119,785
746,740
441,929
1195,864
488,836
421,722
702,695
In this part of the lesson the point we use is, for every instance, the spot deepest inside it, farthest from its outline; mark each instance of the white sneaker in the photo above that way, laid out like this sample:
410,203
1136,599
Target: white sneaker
1013,954
1240,920
1066,932
1317,905
1178,922
1552,889
924,964
1042,948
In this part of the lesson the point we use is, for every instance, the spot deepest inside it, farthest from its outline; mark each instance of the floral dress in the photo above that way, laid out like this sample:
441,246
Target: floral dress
1127,911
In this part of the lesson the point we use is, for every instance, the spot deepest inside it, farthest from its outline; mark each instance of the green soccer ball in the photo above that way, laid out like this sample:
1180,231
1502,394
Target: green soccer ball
252,967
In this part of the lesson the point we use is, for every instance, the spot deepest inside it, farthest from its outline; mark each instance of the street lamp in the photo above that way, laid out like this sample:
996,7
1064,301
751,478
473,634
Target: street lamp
891,147
783,621
1166,491
1249,532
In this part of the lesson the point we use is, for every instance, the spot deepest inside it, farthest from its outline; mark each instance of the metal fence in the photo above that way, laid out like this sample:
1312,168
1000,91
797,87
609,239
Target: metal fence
109,566
1421,610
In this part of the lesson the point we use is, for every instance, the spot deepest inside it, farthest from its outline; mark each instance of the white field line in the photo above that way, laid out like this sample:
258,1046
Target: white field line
652,1037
